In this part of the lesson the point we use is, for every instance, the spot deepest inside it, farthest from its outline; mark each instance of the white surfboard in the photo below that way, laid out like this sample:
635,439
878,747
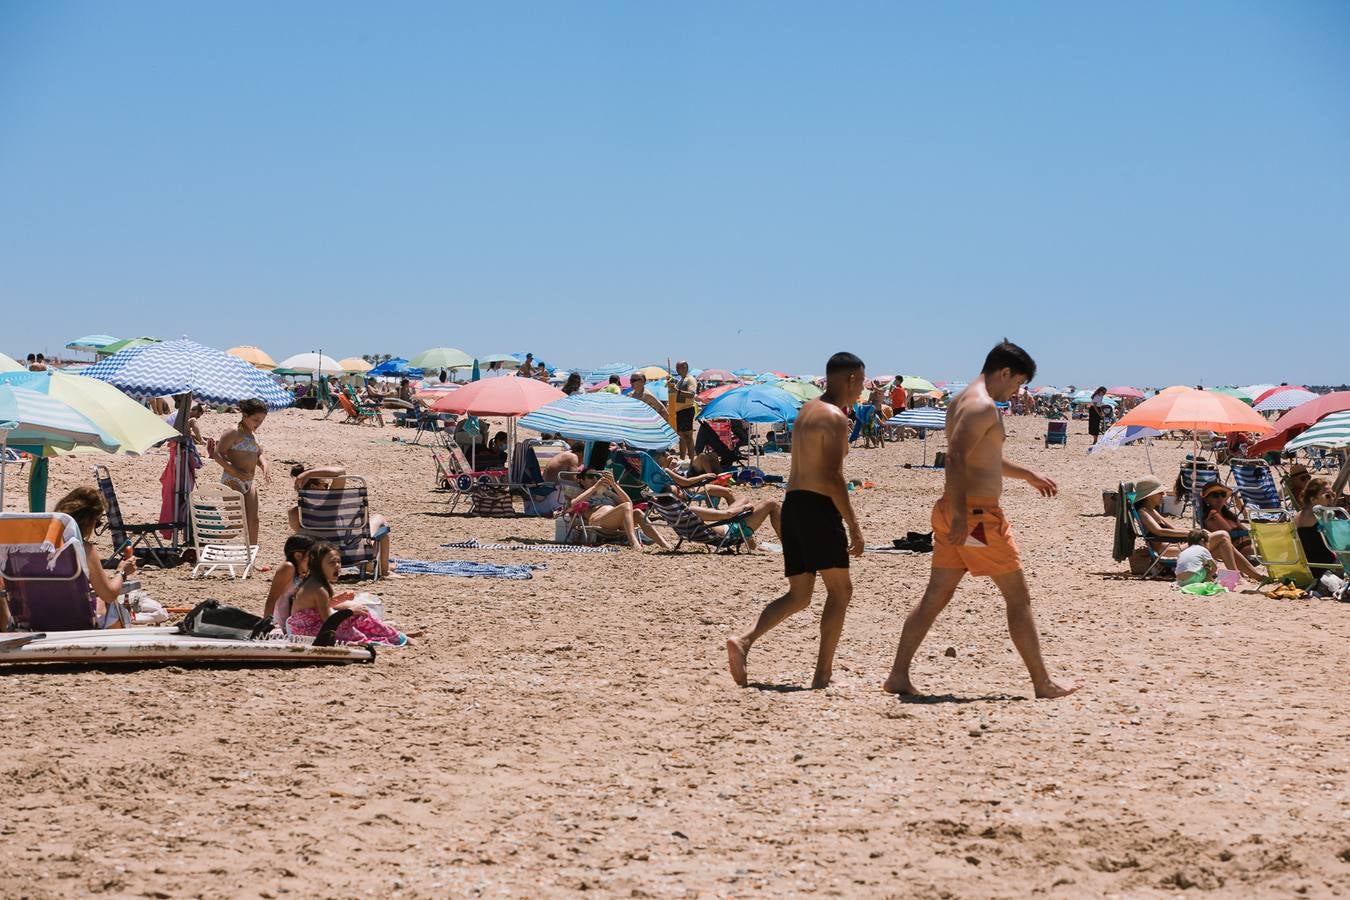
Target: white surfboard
165,644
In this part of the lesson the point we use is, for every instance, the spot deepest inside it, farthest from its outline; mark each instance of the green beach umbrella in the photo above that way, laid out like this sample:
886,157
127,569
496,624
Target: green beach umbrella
110,349
1235,392
802,390
441,358
915,383
1332,432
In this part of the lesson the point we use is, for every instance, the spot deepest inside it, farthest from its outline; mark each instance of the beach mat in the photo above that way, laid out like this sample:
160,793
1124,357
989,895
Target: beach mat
541,547
461,568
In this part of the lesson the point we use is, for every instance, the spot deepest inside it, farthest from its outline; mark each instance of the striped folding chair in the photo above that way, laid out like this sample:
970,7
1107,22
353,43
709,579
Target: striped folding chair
341,516
1193,480
219,531
689,527
1255,484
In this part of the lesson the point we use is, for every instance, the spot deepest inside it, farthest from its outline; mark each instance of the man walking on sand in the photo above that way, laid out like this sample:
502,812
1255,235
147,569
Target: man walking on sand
815,511
969,530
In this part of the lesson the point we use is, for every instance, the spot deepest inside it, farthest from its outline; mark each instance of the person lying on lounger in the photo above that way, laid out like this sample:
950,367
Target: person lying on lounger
702,483
602,504
327,477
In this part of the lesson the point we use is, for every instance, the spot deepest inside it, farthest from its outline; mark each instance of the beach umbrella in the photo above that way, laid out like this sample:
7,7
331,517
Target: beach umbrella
1118,436
126,343
311,364
37,423
1195,411
720,376
91,342
1332,432
953,388
1299,419
915,383
1233,392
653,373
767,378
253,356
1252,391
395,366
355,365
660,390
754,403
8,364
1278,389
603,417
134,428
1126,391
1283,400
506,359
1177,389
713,393
802,390
602,374
430,393
441,358
184,366
744,373
925,419
498,397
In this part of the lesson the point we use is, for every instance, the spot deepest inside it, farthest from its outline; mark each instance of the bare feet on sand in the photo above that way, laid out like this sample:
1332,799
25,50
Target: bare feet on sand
1052,689
901,686
820,682
736,661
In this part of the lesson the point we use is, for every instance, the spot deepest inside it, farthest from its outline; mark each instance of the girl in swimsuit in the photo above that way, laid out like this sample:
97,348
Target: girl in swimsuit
241,458
288,578
314,602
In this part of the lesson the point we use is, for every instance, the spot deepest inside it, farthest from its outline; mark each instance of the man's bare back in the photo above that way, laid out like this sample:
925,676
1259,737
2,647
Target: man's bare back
817,448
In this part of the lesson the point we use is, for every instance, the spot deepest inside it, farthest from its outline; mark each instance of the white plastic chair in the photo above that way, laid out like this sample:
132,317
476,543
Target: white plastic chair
219,531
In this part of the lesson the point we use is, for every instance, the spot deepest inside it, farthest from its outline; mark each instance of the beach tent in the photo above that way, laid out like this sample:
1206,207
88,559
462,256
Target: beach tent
603,417
253,356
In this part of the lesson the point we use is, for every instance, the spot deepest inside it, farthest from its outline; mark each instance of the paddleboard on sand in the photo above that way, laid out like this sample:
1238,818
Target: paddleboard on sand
167,645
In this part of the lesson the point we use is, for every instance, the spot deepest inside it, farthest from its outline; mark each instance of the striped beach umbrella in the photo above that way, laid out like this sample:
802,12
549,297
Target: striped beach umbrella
91,342
1284,400
1332,432
9,364
184,366
135,428
925,419
602,417
603,373
37,423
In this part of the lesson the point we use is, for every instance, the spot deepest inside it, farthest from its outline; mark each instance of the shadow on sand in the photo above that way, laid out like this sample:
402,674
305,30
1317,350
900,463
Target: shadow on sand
929,699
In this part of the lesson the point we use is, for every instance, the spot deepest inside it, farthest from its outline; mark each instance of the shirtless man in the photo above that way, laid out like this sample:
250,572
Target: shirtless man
682,388
639,383
815,512
969,530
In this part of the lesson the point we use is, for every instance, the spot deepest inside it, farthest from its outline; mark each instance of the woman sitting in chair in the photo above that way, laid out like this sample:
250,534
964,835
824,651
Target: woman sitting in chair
332,477
602,504
1219,516
1148,501
1317,492
85,505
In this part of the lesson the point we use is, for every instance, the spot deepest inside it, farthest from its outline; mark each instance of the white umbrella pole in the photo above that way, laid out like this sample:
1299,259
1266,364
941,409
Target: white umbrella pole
4,437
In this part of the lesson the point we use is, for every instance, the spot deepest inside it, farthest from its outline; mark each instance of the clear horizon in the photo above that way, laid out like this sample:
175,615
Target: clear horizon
1152,194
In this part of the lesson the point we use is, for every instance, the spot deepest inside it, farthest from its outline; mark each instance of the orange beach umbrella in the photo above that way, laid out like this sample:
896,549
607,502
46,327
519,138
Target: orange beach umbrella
1187,409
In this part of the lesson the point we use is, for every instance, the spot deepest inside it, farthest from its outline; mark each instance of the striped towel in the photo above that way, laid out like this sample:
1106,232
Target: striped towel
465,569
472,544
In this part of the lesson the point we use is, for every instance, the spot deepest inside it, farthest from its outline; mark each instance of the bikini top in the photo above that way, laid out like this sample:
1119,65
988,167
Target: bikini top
247,443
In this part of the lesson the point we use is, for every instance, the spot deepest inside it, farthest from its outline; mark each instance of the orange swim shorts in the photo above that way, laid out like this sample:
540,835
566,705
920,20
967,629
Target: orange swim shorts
988,548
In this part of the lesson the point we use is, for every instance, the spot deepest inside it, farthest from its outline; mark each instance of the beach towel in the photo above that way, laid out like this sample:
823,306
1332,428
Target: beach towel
465,569
472,544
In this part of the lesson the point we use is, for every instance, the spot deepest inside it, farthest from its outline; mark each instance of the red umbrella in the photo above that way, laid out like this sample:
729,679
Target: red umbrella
708,376
1297,420
499,397
1276,390
713,393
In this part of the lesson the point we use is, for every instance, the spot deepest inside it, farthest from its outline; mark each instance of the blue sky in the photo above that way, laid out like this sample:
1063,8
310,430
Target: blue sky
1142,192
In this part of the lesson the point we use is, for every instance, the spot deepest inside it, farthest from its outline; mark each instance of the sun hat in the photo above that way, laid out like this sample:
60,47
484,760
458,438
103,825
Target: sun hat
1298,469
1146,487
1215,488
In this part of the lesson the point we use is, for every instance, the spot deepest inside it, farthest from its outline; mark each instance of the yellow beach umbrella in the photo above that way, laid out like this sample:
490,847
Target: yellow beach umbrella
653,373
355,365
133,426
9,365
253,356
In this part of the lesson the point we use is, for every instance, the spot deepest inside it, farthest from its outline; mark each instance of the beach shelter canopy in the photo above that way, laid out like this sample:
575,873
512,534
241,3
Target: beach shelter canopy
498,397
1332,432
754,403
441,358
125,343
720,376
91,342
1126,391
181,366
7,364
253,356
311,364
1299,419
355,365
603,417
1283,400
915,383
134,428
1190,410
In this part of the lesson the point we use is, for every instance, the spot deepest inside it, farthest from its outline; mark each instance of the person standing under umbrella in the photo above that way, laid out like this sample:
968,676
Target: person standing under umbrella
241,458
1096,412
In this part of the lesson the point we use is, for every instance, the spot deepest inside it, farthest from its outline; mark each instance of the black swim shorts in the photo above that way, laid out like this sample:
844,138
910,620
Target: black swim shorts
813,534
684,420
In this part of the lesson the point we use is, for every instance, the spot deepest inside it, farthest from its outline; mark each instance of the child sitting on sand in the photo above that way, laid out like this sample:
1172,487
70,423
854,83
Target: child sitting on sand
314,602
287,578
1196,564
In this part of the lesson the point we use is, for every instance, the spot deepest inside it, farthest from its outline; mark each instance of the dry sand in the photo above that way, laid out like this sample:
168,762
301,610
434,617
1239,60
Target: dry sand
579,731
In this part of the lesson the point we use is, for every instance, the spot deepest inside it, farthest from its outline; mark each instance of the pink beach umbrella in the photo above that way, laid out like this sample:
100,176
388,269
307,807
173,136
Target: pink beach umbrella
1126,391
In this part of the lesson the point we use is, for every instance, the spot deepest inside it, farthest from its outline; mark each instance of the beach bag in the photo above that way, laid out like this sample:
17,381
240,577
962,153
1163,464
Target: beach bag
1140,561
212,619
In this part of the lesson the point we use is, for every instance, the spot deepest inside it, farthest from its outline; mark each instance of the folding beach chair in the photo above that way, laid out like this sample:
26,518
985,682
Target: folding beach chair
571,528
1057,433
325,397
341,516
1334,523
356,413
219,532
542,498
1191,480
45,575
144,540
487,490
637,467
722,438
689,527
1281,552
1157,562
1255,484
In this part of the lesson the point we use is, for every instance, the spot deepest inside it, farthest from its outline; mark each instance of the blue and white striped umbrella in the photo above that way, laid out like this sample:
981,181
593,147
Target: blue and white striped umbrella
32,421
91,342
602,417
603,373
1285,400
1118,436
175,367
754,403
744,373
923,418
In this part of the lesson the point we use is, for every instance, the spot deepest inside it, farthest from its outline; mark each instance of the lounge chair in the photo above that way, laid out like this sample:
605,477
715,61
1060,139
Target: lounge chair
484,488
1281,552
325,397
637,467
542,498
689,527
219,532
1334,523
46,575
1191,480
1255,484
357,414
341,516
144,540
1057,433
1158,562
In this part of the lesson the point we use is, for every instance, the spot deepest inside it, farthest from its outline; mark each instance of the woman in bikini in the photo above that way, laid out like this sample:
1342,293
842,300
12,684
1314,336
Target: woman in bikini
314,601
241,458
600,506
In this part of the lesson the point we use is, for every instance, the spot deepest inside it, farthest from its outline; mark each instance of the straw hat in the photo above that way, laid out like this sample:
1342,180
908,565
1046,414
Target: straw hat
1297,469
1213,488
1146,487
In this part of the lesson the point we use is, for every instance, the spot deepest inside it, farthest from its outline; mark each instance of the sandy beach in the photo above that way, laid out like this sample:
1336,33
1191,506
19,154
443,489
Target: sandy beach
579,731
